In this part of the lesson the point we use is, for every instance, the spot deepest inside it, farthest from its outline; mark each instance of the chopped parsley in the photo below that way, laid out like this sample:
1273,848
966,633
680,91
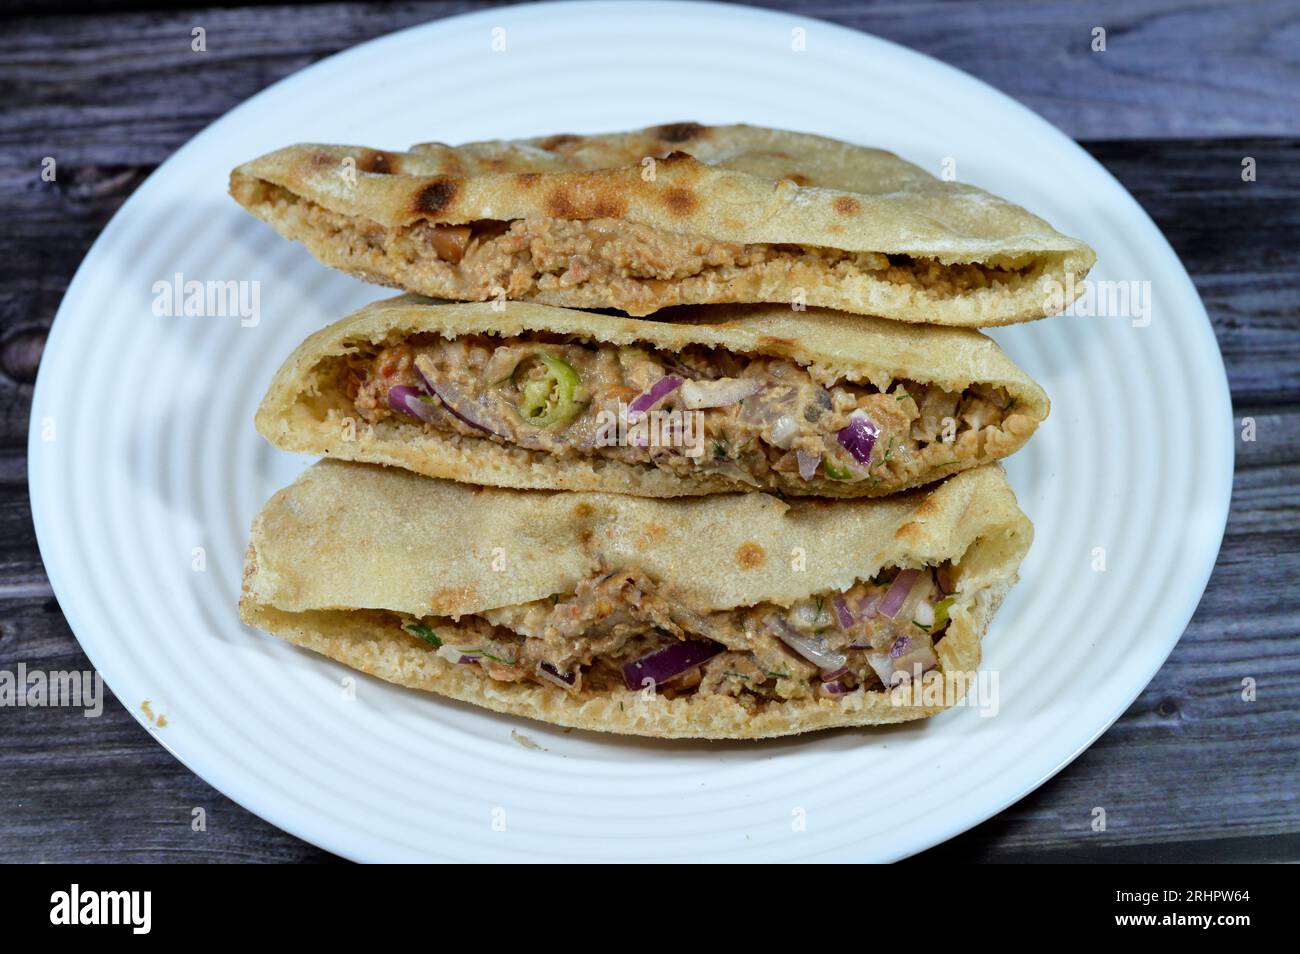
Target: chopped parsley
421,631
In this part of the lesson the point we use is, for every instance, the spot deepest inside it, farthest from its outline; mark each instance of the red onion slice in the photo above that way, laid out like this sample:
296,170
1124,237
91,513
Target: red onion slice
699,394
807,463
658,391
832,676
859,438
461,406
412,402
843,613
810,648
883,666
897,594
908,652
784,430
669,662
457,655
923,614
565,680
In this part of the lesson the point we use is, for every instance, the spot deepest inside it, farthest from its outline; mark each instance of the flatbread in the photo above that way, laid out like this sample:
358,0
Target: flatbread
347,543
304,410
815,220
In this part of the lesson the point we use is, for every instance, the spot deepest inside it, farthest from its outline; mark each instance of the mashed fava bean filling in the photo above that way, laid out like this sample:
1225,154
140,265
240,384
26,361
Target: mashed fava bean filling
621,630
762,421
631,265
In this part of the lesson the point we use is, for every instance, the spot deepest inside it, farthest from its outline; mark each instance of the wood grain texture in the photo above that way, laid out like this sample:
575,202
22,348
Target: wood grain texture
123,86
1190,772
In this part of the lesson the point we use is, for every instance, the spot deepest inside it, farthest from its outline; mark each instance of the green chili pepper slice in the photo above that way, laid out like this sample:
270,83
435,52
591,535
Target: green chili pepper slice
941,614
553,398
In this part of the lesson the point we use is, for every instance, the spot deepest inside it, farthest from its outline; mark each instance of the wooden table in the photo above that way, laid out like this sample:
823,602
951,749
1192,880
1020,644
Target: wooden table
1182,93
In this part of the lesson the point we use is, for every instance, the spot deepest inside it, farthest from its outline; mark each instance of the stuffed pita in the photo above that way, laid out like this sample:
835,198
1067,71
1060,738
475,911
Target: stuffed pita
722,399
677,214
734,616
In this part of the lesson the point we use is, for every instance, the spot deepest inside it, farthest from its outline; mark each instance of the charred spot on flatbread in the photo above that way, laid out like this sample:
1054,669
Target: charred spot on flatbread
376,161
559,141
435,197
678,132
681,202
568,203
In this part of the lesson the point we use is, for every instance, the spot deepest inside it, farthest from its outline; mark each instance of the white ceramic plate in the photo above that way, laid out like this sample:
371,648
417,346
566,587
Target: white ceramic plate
142,449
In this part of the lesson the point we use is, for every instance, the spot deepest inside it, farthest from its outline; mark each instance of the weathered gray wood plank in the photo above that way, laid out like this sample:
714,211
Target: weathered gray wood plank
124,87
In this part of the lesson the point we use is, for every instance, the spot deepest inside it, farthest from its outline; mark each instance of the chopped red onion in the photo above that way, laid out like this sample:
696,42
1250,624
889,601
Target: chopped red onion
397,396
908,652
869,606
811,648
565,680
832,676
834,688
669,662
897,595
456,655
842,611
883,666
784,429
807,463
698,394
923,614
462,407
859,438
658,391
411,401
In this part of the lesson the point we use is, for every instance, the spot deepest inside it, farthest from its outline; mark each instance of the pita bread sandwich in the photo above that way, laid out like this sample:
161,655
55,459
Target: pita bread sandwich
722,399
730,616
676,214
